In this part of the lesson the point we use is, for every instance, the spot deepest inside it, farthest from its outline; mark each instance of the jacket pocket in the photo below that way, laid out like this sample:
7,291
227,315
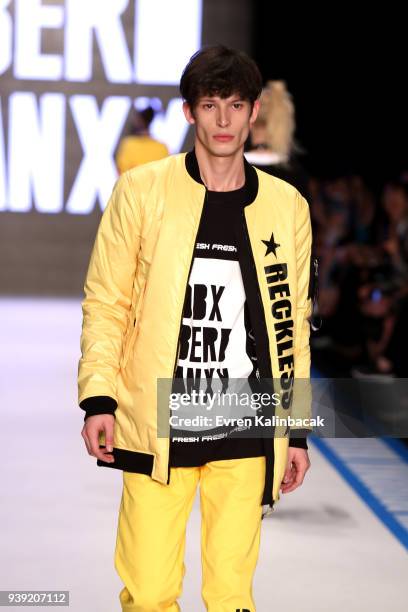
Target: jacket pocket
313,279
313,292
133,327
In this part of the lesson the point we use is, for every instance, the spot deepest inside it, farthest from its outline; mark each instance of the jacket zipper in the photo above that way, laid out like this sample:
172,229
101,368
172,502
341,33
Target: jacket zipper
181,318
251,257
315,326
185,292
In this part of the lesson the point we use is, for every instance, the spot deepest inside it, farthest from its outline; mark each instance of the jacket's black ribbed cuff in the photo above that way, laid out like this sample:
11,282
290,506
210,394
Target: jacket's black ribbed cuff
99,404
298,443
298,437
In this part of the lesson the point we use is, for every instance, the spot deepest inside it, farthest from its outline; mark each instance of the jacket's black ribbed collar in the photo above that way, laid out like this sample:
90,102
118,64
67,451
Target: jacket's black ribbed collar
251,177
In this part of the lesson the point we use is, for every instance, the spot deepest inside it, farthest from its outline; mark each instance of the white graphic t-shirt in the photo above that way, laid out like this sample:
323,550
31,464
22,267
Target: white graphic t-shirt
216,341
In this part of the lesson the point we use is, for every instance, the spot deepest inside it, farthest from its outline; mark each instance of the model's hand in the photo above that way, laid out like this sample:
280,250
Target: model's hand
90,433
297,466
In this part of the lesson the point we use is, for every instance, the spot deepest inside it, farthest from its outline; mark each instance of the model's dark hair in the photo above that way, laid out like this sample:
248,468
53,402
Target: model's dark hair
220,71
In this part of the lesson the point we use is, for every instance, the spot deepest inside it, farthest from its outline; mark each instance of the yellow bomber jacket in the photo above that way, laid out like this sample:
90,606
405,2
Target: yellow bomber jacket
134,295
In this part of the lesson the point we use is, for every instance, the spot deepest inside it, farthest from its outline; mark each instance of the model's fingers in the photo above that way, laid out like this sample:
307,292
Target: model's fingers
289,474
93,436
109,440
301,468
86,440
288,478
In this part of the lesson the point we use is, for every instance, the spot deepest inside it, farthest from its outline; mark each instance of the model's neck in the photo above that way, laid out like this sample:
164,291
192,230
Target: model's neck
258,135
220,173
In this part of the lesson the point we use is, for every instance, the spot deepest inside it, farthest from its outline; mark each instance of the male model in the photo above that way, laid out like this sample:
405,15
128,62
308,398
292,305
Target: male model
200,271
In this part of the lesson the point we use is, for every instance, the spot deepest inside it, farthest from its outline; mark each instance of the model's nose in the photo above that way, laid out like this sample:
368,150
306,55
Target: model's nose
222,118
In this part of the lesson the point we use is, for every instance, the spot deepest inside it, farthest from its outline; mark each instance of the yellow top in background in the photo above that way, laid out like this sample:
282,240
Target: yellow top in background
136,150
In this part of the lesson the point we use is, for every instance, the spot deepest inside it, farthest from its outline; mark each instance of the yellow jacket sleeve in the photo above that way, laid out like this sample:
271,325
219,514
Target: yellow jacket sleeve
108,293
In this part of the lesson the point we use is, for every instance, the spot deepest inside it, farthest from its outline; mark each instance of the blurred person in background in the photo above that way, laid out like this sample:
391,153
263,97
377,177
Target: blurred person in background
363,251
272,146
383,295
139,147
332,207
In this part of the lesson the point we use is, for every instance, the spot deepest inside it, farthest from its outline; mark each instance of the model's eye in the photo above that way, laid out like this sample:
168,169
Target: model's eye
237,105
208,105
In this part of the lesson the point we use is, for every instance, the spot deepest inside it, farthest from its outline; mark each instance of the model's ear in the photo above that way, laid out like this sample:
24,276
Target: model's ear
255,111
188,114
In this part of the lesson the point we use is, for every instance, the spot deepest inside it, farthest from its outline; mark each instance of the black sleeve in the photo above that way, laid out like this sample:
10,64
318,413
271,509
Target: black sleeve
298,443
298,438
100,404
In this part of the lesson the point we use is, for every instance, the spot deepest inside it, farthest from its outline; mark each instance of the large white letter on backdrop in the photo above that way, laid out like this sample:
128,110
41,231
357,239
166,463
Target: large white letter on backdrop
103,18
30,17
6,36
99,133
166,35
36,152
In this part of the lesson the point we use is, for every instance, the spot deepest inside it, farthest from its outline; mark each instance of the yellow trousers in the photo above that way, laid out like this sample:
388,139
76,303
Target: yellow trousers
149,555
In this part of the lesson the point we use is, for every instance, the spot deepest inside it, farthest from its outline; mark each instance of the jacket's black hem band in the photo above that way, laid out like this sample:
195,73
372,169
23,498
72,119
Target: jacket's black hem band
129,461
142,463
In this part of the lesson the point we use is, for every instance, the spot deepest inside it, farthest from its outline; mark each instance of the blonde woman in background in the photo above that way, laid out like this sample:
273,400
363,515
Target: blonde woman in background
272,146
273,149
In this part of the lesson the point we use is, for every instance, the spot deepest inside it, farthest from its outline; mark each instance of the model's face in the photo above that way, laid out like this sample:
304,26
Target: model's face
222,124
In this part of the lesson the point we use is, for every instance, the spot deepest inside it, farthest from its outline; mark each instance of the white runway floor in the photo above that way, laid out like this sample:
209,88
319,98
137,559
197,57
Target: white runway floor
324,549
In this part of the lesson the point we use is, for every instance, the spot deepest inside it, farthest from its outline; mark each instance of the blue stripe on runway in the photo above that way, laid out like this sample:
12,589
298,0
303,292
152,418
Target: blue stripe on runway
388,518
397,446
